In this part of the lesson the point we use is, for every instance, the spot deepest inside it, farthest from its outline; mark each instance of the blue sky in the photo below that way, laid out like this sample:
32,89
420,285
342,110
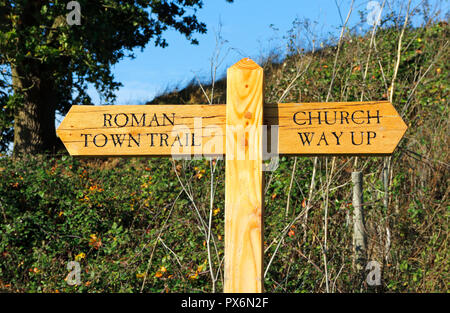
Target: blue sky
252,28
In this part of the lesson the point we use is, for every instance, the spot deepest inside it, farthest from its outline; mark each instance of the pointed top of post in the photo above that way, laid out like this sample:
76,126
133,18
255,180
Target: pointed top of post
246,63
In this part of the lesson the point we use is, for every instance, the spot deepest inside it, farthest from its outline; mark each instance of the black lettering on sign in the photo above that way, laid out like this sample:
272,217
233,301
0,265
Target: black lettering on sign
357,117
171,121
152,143
154,119
353,140
101,140
107,118
164,138
118,139
295,118
105,140
121,122
326,118
377,117
344,117
86,139
337,138
323,138
361,118
357,138
136,142
313,117
138,120
374,135
370,135
177,139
306,138
193,141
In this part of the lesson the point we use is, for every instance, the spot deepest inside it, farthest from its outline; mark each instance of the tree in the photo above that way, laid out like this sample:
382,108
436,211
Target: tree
48,55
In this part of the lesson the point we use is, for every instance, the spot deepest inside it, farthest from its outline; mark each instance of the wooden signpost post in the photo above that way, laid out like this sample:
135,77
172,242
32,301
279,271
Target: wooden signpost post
235,130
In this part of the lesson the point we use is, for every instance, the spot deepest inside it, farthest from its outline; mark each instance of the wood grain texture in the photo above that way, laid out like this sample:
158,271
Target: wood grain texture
347,128
204,126
243,179
336,117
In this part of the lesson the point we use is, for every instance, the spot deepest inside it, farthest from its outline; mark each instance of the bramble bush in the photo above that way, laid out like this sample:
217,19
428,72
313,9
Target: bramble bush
103,214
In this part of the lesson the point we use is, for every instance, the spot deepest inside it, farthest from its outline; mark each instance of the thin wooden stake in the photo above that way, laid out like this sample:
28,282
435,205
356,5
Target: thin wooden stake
386,182
359,234
243,178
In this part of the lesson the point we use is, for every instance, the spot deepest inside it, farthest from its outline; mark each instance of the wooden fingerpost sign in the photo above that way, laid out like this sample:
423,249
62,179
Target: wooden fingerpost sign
243,178
235,130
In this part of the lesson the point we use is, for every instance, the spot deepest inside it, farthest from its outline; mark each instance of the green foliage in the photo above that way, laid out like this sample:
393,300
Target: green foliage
36,43
139,223
60,209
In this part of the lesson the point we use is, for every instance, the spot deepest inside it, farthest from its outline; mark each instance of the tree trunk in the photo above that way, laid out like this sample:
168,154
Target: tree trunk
34,119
